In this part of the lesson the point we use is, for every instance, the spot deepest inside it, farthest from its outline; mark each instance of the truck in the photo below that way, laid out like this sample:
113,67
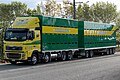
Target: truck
38,38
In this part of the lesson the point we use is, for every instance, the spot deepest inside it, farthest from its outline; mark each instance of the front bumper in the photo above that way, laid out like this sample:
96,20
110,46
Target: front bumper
15,56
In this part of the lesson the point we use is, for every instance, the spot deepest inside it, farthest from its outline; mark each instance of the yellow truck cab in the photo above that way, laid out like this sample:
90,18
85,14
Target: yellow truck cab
22,40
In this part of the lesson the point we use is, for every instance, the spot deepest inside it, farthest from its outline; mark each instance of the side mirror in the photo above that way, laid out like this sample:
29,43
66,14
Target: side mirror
31,35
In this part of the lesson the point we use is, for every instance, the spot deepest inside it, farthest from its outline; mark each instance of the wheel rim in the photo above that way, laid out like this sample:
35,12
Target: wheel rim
91,54
63,56
46,58
34,59
86,54
110,51
102,53
113,51
69,56
107,51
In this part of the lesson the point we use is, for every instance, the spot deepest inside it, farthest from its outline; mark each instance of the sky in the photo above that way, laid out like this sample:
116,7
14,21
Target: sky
32,3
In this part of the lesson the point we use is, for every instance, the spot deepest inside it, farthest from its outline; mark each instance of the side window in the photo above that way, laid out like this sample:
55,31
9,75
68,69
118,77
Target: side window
31,35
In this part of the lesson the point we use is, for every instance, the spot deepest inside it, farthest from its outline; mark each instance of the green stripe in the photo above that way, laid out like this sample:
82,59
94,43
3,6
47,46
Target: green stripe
33,43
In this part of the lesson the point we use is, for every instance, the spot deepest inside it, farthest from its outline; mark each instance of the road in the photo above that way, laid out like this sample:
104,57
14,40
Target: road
96,68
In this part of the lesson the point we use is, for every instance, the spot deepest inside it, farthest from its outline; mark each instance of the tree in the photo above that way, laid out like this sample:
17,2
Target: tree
18,8
103,12
68,9
83,12
38,9
8,12
52,8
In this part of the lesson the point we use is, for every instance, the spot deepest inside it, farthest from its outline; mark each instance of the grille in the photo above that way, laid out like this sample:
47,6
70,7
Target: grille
13,48
15,56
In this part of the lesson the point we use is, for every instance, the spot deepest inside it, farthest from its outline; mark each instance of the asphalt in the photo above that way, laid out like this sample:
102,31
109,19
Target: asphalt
97,68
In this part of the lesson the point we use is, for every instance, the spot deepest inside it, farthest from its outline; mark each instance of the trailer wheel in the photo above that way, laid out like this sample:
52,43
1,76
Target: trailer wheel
69,56
86,54
34,59
63,56
107,52
91,54
110,51
113,51
13,62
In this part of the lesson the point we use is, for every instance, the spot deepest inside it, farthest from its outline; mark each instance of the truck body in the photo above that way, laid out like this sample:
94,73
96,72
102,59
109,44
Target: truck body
40,39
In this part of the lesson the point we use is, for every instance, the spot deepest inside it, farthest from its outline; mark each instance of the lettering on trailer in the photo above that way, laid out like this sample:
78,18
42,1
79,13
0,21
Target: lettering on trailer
61,30
102,33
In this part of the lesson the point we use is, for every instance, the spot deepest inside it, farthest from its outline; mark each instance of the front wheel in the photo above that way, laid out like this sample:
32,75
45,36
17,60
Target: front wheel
34,59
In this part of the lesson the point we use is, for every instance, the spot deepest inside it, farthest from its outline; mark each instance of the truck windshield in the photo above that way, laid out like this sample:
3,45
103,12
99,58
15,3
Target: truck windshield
15,36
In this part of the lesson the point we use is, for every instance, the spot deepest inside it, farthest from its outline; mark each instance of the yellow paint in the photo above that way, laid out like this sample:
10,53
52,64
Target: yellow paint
26,22
27,49
29,23
114,28
62,30
99,32
59,30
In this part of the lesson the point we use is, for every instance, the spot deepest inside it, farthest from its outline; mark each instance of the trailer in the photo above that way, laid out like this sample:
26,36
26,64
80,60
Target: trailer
41,39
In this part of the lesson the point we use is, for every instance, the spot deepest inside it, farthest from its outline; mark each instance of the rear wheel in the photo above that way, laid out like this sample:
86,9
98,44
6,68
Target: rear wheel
63,56
46,58
111,51
69,56
86,54
91,54
107,52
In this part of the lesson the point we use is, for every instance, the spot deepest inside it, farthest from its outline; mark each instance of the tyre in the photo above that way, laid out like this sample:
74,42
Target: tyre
111,51
46,58
63,56
86,54
107,52
13,62
69,56
91,54
34,59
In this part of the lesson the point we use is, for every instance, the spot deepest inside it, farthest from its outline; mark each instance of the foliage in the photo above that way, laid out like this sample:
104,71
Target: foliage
67,9
103,12
52,8
8,12
83,12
